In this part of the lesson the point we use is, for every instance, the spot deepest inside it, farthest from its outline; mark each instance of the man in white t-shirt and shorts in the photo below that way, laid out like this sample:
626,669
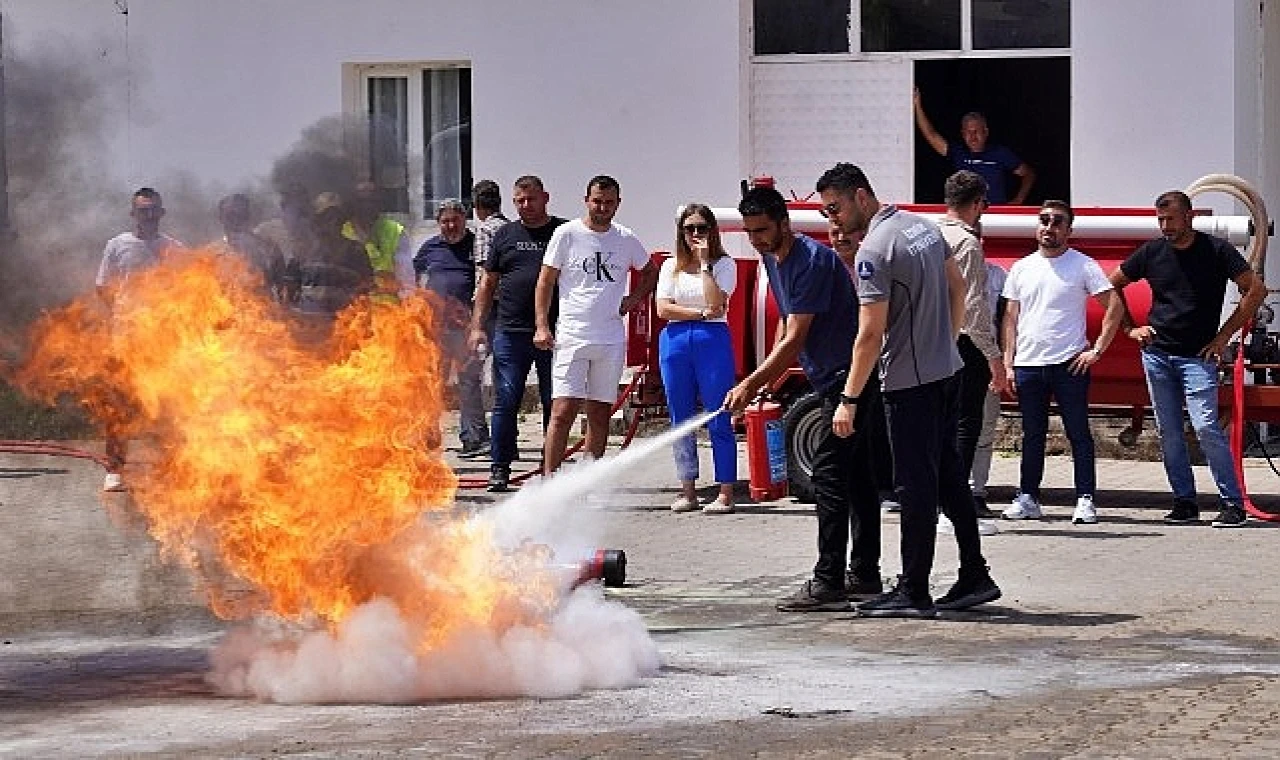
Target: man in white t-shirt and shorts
1047,354
588,259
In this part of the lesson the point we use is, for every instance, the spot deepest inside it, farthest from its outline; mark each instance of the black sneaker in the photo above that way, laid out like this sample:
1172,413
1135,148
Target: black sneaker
499,478
1184,512
981,509
898,603
969,591
814,596
857,589
473,449
1231,516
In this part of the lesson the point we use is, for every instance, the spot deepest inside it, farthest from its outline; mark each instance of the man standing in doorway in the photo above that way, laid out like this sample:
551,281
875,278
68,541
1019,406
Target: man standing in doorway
816,298
588,259
1188,272
125,254
912,303
966,196
974,153
1047,355
511,274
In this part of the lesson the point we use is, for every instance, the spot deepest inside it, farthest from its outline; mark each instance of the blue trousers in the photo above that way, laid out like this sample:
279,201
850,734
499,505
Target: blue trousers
696,359
1036,385
513,355
1171,381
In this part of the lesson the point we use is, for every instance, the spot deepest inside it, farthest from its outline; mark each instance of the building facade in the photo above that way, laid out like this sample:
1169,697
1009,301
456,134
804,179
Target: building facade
1111,102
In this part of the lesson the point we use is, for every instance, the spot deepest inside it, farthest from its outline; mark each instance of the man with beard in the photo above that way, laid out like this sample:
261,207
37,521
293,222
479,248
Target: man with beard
1182,345
445,267
125,254
815,296
511,274
912,303
588,259
1047,355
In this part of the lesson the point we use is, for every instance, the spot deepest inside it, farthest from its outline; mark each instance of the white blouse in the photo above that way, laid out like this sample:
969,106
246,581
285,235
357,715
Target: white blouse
686,289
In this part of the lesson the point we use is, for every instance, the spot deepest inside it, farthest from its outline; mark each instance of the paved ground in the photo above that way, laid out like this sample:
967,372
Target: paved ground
1125,639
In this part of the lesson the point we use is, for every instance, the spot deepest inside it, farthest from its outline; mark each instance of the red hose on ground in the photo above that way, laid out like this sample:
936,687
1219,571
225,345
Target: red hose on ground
1237,431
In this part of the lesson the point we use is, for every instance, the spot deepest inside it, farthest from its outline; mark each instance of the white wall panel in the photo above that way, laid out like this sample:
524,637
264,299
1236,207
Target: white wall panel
806,117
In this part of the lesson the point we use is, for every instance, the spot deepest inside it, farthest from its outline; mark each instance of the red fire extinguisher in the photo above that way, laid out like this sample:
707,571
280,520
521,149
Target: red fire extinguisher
766,451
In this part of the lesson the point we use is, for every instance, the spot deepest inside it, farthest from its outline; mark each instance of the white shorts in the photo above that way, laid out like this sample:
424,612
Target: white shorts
587,371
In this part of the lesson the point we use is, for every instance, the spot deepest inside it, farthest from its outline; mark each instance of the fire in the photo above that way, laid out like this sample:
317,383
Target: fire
299,479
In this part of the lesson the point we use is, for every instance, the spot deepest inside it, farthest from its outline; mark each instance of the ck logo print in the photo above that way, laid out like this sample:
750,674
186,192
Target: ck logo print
598,266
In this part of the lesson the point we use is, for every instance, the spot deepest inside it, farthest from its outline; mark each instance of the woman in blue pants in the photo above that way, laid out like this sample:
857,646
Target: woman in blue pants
695,352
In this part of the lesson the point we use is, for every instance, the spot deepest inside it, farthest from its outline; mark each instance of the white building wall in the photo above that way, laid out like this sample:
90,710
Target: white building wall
650,92
1163,92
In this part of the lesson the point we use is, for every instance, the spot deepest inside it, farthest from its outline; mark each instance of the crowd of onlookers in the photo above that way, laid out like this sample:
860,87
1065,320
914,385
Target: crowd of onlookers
901,326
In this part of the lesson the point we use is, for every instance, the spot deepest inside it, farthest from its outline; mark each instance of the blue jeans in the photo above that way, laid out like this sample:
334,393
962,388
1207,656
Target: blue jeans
696,359
1172,380
1036,385
513,355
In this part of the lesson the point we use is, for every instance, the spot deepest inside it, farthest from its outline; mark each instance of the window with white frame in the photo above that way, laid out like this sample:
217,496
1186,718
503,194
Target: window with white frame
419,133
783,27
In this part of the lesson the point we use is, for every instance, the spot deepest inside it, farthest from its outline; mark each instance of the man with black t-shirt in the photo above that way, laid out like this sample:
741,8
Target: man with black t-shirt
1182,344
511,273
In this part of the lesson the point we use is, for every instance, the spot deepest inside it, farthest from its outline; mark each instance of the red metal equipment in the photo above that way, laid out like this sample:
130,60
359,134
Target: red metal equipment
766,451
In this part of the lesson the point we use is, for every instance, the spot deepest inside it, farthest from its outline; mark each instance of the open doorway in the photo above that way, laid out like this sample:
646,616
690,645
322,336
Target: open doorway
1027,102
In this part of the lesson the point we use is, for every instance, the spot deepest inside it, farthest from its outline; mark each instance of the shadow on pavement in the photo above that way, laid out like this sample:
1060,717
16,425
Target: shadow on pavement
997,615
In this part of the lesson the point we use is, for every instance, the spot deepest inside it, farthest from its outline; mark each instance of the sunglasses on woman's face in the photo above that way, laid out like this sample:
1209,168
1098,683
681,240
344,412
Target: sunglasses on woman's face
696,229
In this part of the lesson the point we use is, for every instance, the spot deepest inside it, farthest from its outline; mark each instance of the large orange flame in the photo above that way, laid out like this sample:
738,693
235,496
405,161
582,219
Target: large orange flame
290,477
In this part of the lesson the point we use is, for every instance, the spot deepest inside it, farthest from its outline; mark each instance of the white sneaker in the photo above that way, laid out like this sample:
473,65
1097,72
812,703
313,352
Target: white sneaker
685,505
985,527
1085,514
718,507
1023,508
113,483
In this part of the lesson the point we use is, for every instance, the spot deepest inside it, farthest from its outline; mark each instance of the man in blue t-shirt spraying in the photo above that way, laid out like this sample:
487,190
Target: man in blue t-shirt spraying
815,296
973,152
911,295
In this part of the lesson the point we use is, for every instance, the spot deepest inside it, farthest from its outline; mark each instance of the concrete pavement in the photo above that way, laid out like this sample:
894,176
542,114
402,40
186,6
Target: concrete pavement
1129,638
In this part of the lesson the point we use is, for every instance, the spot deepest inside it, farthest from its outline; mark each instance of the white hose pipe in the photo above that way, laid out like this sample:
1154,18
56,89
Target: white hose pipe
1256,246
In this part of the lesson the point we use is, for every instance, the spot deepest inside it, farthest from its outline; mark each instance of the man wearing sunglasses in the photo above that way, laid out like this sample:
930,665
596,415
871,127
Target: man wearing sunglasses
1048,355
1182,344
911,296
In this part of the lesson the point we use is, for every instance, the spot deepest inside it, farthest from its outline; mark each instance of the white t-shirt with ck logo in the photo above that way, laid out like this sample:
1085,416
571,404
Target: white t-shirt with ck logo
594,270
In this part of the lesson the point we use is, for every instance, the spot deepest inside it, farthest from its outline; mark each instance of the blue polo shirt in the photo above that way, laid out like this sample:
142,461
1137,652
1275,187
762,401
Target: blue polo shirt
812,280
993,164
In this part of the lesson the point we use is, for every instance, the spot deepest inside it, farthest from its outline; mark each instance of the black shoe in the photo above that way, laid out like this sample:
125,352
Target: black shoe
1231,516
981,509
473,449
814,596
1184,511
499,478
857,589
898,603
969,591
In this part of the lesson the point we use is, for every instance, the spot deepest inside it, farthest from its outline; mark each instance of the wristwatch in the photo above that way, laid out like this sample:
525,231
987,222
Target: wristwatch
849,400
702,313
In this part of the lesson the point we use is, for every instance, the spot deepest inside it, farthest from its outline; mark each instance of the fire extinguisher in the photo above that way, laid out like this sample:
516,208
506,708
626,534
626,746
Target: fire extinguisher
766,451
